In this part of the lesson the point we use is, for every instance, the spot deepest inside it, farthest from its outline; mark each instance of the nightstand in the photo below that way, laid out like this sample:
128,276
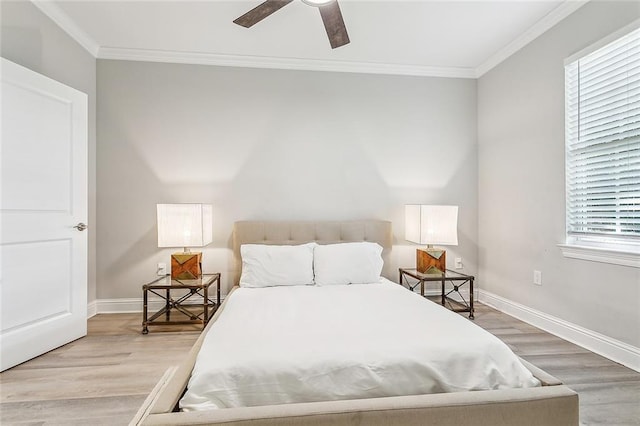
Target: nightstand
412,278
188,300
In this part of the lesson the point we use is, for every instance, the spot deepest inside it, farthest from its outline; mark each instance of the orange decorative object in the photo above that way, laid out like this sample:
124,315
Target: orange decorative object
431,260
186,266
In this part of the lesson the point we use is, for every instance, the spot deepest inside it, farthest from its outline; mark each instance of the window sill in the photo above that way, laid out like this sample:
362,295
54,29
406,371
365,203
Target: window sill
624,257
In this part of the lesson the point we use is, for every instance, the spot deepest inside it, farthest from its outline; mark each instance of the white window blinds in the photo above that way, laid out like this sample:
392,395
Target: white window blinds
603,141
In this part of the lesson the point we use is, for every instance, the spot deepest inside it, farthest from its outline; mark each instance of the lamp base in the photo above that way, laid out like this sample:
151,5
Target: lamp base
431,260
186,266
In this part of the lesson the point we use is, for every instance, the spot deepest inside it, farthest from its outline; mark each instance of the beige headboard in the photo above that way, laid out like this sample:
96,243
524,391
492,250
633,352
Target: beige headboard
322,232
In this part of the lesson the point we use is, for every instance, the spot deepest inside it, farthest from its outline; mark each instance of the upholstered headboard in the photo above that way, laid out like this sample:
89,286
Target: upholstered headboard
322,232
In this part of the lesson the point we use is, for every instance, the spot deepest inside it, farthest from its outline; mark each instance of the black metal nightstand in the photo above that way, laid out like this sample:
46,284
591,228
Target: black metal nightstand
193,303
456,279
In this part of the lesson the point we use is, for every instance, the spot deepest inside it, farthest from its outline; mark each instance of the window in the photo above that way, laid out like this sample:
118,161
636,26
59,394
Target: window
602,96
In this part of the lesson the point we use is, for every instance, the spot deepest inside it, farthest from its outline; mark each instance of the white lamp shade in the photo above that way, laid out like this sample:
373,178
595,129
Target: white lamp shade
185,225
431,224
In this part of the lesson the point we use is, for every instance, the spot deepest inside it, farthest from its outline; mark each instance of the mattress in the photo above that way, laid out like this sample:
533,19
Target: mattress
290,344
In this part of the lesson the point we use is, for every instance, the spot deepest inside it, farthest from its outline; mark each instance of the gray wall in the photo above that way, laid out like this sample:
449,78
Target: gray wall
31,39
269,144
274,144
521,184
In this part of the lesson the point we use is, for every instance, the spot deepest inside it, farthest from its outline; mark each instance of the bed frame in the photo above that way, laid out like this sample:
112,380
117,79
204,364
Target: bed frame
553,404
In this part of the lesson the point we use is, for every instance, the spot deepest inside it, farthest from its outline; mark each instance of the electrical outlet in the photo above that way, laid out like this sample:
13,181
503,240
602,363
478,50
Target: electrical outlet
458,263
537,277
161,269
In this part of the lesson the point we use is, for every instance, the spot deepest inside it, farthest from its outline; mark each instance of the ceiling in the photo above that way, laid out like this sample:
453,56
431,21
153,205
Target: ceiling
433,38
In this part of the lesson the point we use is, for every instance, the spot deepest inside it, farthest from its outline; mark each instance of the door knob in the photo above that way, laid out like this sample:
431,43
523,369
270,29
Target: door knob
81,226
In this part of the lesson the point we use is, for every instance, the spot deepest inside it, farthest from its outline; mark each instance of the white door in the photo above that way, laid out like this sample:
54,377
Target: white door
43,194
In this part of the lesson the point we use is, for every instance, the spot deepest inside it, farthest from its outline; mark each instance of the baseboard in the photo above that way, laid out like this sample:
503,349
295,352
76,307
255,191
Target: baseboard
92,308
453,296
134,305
124,306
615,350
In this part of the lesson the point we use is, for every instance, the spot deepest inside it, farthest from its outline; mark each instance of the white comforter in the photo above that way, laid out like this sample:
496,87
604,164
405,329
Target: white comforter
306,343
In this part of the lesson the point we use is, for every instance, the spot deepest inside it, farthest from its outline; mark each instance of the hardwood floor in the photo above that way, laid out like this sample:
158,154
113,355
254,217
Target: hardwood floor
103,378
609,392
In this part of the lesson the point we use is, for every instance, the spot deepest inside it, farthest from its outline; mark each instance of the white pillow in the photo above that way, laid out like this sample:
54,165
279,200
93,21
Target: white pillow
347,263
267,265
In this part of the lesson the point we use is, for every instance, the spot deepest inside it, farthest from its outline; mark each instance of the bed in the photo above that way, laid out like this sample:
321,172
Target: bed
537,398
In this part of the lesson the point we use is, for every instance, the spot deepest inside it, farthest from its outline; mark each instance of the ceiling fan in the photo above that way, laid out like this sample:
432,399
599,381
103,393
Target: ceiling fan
329,11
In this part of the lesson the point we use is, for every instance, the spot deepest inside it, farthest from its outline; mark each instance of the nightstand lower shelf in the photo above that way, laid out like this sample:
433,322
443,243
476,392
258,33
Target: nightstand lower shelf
192,306
455,279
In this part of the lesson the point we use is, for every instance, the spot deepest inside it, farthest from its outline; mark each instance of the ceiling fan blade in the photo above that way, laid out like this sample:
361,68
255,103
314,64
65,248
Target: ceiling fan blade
260,12
334,24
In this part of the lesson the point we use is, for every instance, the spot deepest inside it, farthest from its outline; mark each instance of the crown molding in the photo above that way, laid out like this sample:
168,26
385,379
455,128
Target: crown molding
56,14
545,24
281,63
63,20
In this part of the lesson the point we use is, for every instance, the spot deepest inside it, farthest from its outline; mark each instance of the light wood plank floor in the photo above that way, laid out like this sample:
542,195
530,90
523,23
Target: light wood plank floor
103,378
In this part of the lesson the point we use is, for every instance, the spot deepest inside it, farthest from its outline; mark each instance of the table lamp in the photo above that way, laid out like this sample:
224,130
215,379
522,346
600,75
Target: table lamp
185,225
431,225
